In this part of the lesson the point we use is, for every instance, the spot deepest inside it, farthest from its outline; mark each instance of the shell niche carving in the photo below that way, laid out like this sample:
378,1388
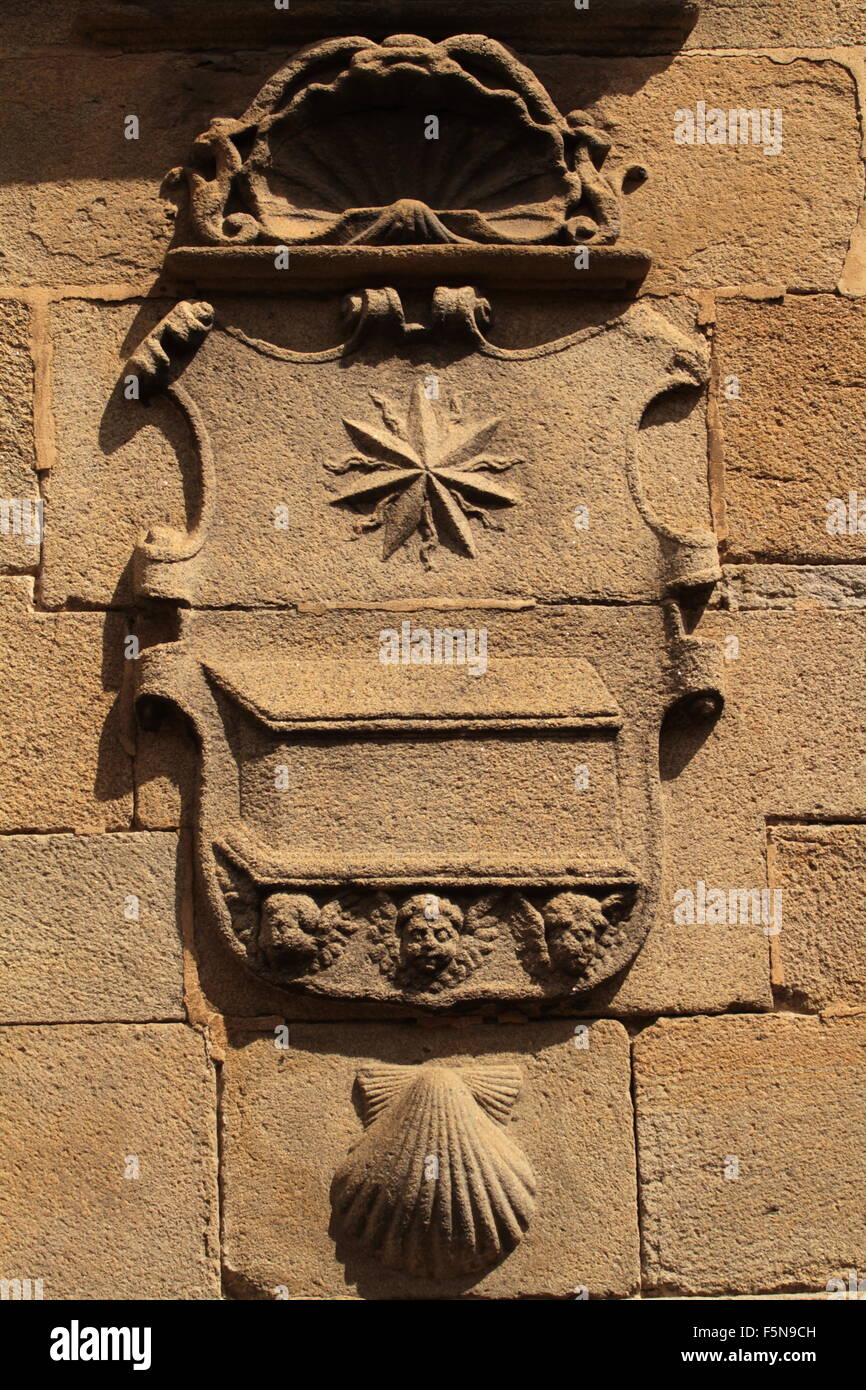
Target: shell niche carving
435,1186
328,153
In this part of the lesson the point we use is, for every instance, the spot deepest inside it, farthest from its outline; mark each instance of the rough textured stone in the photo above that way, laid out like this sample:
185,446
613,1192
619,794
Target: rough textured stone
820,953
405,895
314,881
630,26
784,1096
84,206
769,757
112,224
90,927
729,215
131,465
793,586
164,777
20,529
22,26
777,23
276,529
781,760
289,1121
64,766
84,1103
795,437
622,25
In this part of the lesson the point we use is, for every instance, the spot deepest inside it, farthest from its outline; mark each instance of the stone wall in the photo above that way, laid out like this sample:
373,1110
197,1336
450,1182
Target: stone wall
682,1115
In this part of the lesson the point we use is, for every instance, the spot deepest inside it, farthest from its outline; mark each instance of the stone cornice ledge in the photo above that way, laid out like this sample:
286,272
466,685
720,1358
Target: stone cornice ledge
344,267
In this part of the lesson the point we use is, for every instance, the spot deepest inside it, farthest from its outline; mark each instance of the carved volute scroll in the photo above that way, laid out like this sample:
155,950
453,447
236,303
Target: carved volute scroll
426,706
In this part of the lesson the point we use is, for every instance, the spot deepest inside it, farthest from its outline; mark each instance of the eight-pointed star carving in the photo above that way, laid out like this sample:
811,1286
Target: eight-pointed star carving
427,472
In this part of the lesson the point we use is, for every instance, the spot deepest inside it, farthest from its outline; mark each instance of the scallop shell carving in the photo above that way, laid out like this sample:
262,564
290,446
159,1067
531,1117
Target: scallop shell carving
435,1185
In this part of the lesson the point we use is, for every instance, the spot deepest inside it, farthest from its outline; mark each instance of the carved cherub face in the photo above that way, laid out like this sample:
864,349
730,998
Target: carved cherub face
287,934
573,922
429,931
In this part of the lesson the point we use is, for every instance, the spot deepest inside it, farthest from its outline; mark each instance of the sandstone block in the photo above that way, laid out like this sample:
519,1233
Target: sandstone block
740,216
794,586
795,436
634,26
749,1131
64,767
119,463
90,927
114,225
290,1123
81,203
109,1161
681,968
820,953
20,519
627,26
767,758
777,24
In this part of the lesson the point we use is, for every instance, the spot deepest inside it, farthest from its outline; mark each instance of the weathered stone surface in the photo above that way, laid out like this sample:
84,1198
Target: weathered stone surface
113,225
621,25
84,207
20,526
820,953
542,183
63,766
777,24
23,27
781,760
787,1297
164,777
794,438
793,586
779,1100
729,215
131,465
90,927
631,26
425,863
448,901
289,1123
769,757
280,525
88,1105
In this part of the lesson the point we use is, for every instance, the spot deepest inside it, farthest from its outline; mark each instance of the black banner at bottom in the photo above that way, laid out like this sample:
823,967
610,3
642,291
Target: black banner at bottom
62,1339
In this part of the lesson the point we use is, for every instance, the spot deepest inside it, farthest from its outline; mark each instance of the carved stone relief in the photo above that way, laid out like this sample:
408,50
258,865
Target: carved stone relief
393,810
497,521
343,799
487,1160
427,472
303,165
